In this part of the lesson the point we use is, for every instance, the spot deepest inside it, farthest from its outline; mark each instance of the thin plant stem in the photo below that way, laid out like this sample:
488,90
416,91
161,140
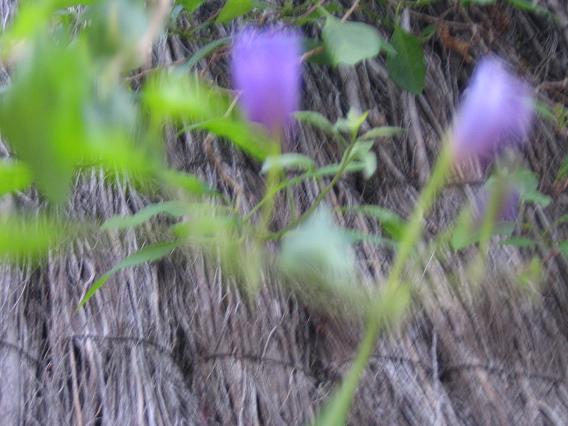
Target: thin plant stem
321,196
412,232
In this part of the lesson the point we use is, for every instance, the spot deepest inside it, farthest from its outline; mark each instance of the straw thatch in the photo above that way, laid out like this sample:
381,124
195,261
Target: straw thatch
174,343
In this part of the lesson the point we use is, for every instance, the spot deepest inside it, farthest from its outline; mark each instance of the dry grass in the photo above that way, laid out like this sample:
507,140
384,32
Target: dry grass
172,343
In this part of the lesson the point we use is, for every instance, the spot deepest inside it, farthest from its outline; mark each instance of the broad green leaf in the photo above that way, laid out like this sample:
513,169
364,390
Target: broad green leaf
42,114
28,237
203,52
14,176
234,9
115,28
318,252
178,96
287,162
350,42
183,97
31,19
190,5
149,253
316,120
406,66
172,208
381,132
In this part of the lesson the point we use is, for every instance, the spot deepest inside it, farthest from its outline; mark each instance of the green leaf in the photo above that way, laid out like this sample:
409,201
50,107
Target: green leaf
14,176
28,237
563,246
523,242
315,119
234,9
391,222
242,134
318,252
288,161
42,115
188,182
176,96
355,236
183,97
407,67
190,5
173,208
352,122
527,183
351,42
562,219
362,154
203,52
381,132
149,253
529,6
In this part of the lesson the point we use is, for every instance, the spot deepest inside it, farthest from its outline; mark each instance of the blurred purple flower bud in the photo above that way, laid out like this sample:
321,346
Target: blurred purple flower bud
497,112
508,208
266,70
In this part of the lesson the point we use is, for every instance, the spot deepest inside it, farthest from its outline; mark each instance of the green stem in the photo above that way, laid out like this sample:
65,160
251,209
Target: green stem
412,232
321,196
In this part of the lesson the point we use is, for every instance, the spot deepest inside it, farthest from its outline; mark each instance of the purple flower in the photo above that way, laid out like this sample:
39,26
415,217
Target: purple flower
508,208
497,112
266,71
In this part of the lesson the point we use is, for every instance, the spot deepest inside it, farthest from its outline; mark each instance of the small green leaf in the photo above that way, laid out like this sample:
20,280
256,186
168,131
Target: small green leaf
188,182
316,120
14,176
563,246
363,155
350,42
562,219
149,253
203,52
407,66
391,222
234,9
352,122
288,161
173,208
355,236
527,182
242,134
381,132
523,242
190,5
27,237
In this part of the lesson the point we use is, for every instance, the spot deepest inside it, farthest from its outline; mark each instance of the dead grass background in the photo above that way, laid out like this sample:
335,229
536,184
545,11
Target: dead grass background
172,343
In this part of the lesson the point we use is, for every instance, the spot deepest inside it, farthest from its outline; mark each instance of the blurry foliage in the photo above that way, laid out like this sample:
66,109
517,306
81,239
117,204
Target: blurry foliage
69,107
